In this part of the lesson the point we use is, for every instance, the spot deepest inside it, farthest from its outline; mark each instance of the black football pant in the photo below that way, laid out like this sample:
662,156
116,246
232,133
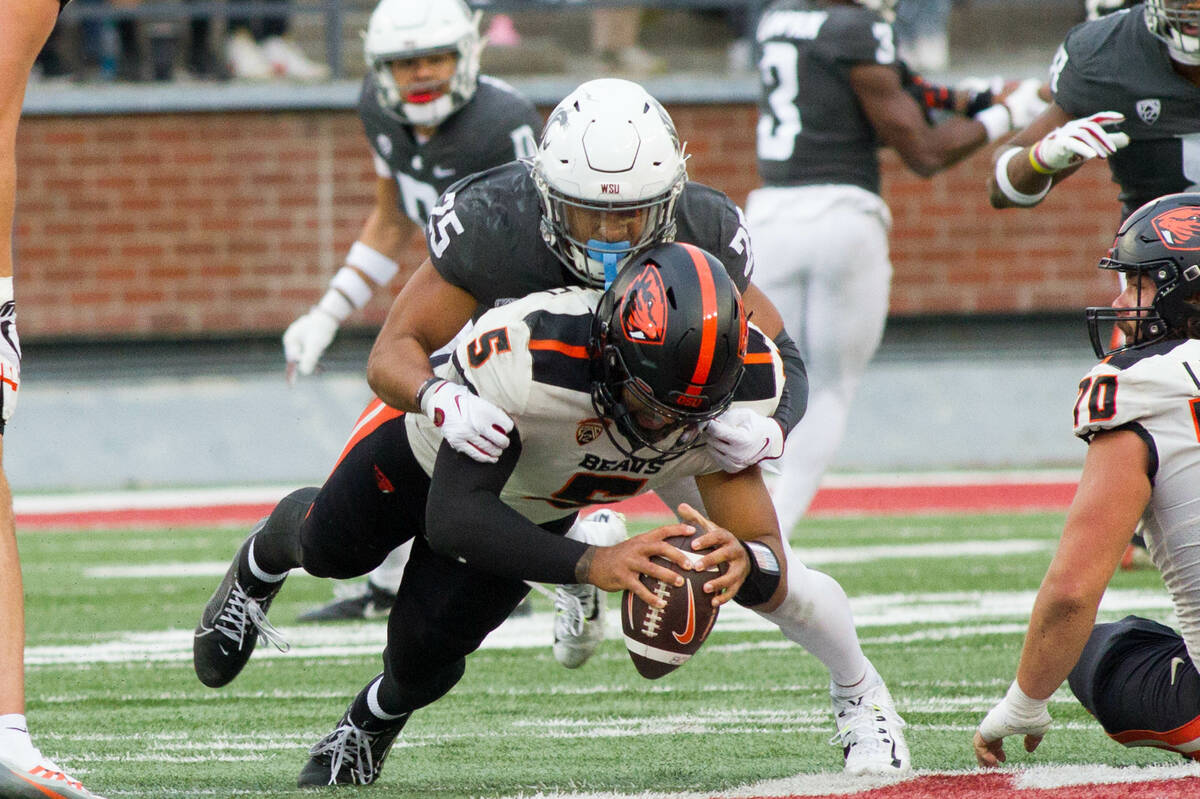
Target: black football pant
1136,678
373,501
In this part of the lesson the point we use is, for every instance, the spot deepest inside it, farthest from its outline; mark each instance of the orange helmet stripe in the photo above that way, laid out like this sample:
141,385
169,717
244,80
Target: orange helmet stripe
708,330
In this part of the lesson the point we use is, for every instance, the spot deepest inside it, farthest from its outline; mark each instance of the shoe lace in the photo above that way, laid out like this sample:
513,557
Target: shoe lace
351,747
45,772
863,723
570,608
241,613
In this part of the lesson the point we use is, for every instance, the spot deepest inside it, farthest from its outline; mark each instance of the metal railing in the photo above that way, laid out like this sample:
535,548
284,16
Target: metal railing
334,11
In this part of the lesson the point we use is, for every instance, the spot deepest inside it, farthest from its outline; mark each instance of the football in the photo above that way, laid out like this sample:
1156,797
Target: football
661,640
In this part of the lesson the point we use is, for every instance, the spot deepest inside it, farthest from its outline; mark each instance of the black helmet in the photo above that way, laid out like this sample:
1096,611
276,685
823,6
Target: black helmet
1162,241
669,337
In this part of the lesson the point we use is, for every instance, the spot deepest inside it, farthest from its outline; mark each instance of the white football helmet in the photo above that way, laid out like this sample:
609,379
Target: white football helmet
608,152
1099,8
1169,21
410,28
885,8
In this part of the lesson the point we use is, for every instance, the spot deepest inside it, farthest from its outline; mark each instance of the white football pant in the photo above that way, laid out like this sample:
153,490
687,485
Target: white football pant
821,256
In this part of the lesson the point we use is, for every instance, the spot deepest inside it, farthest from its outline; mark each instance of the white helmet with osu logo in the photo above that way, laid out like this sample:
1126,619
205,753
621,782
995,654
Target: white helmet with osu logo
608,170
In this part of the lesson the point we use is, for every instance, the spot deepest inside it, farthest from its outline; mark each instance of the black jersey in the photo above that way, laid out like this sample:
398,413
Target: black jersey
812,128
485,236
1115,64
498,125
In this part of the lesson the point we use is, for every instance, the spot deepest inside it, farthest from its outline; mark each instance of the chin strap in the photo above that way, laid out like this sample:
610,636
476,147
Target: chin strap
607,253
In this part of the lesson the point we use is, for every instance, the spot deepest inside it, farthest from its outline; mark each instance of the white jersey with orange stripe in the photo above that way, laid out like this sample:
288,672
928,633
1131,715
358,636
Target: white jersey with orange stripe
530,358
1155,392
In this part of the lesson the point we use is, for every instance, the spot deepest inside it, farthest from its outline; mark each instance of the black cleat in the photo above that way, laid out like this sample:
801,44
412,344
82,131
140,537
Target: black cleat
361,602
348,755
230,627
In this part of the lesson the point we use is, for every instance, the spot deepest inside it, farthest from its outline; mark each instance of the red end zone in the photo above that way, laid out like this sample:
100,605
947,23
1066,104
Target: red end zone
898,495
1001,786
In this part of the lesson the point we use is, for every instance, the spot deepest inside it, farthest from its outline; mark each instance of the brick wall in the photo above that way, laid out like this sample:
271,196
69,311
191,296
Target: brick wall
204,224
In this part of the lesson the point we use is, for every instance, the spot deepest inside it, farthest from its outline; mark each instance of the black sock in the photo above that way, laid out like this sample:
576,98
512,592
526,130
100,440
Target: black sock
276,542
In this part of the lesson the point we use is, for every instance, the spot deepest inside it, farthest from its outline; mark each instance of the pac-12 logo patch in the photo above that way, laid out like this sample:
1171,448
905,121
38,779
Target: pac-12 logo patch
644,308
1179,228
588,431
1148,110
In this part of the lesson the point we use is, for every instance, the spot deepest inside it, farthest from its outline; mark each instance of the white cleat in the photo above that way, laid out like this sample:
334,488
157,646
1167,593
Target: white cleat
870,732
579,608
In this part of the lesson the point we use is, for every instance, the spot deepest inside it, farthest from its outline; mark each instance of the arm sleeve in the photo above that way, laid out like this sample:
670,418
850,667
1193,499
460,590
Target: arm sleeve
793,401
467,520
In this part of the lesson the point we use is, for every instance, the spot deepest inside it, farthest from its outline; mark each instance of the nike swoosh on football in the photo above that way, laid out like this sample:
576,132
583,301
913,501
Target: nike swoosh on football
689,630
1176,662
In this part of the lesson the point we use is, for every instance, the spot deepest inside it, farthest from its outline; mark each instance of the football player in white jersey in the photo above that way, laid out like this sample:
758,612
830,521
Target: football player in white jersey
431,119
611,394
834,93
24,771
1138,409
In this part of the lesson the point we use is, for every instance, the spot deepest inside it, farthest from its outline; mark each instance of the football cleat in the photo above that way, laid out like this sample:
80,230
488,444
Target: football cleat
43,781
354,602
578,623
348,756
869,732
230,628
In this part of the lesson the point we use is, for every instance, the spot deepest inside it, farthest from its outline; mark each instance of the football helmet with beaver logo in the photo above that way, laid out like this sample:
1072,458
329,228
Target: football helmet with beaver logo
1160,240
669,340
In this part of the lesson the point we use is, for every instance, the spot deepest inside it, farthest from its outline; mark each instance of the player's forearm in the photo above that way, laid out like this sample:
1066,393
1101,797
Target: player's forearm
1058,630
396,369
1014,182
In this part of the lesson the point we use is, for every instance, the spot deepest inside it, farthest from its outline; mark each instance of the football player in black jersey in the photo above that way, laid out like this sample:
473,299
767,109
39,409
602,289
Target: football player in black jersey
24,771
609,181
612,393
833,93
1137,412
1126,88
430,119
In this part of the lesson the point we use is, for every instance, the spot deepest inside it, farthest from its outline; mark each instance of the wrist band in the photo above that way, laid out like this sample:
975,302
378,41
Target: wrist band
996,120
1023,704
1037,165
335,304
1006,186
428,384
372,263
351,284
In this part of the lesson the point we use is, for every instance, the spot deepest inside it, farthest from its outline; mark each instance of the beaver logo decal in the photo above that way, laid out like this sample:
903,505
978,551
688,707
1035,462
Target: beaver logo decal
644,308
1179,228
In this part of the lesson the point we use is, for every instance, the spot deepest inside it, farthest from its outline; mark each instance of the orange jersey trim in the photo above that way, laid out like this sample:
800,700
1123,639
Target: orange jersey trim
754,358
375,415
553,345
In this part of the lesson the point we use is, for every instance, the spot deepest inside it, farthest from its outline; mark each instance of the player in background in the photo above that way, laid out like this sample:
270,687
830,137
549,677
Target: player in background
833,93
1126,88
430,120
1137,411
612,394
24,771
609,180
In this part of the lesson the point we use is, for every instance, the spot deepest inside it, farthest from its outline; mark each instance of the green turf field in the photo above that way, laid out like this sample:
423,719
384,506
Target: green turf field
940,601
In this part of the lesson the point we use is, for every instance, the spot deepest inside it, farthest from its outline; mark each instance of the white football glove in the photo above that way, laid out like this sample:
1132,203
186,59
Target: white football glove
470,424
1080,140
740,438
306,339
1024,104
10,353
1015,714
